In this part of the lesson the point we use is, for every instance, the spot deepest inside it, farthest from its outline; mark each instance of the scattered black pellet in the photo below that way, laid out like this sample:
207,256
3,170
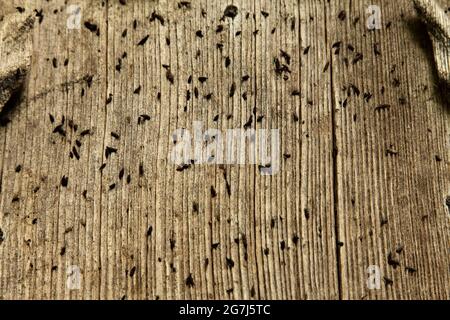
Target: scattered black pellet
342,15
286,57
88,78
227,62
306,50
119,65
39,14
411,270
183,167
55,63
63,251
273,222
109,99
358,57
170,76
202,79
155,16
18,168
85,132
367,96
75,153
103,166
232,90
215,246
132,272
230,263
280,68
199,33
383,107
387,281
115,135
143,41
231,11
112,186
64,181
20,9
190,281
121,173
141,170
143,118
295,239
184,5
213,192
306,213
60,130
84,194
248,124
219,28
109,151
128,179
392,262
265,14
137,90
92,27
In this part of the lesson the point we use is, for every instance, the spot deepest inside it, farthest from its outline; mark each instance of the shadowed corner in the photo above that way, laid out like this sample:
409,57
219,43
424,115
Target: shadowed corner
432,29
11,105
418,30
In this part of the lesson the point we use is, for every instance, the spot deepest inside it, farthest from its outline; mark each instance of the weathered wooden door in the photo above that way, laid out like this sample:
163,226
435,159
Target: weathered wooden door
92,207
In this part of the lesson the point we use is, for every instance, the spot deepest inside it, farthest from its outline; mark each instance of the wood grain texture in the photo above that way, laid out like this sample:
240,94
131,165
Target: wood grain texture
392,172
364,160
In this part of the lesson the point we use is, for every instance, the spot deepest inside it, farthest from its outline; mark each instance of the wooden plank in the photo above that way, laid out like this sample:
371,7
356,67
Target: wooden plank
48,228
166,234
226,235
392,163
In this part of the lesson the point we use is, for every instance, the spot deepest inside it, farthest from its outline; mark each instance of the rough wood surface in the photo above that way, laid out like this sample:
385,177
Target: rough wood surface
364,174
